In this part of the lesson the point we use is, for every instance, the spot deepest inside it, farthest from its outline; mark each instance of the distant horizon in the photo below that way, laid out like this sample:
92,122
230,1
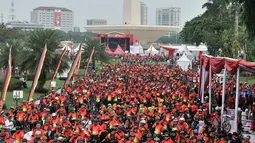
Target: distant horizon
108,10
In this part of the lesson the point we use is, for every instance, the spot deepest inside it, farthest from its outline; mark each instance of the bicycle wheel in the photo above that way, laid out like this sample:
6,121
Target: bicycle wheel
226,127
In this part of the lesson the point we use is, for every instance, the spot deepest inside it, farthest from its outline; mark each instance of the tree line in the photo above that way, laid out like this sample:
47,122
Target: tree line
227,27
27,48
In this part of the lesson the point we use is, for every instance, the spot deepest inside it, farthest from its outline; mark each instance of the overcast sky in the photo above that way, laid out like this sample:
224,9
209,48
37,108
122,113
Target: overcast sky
110,10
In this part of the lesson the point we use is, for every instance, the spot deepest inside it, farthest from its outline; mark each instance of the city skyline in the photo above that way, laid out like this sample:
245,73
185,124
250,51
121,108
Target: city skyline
88,9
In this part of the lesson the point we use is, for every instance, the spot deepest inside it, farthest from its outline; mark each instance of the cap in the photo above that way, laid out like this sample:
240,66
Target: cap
182,119
54,114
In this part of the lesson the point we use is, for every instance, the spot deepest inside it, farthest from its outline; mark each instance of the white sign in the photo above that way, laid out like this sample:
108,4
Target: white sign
17,94
53,84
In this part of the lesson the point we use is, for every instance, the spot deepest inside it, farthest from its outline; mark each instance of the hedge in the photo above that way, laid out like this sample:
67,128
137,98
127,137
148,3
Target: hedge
31,77
15,84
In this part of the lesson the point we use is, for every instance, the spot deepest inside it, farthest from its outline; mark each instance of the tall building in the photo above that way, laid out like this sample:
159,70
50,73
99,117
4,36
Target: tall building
168,16
53,17
144,14
132,12
96,22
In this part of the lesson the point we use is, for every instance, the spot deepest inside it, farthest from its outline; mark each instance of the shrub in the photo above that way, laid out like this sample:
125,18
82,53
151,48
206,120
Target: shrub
62,78
41,90
31,77
15,84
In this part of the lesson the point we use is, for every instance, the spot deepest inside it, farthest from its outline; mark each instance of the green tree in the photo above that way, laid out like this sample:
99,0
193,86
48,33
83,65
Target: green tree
99,53
17,47
31,55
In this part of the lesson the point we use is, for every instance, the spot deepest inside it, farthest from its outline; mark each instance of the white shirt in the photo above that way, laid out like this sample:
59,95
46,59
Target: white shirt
9,124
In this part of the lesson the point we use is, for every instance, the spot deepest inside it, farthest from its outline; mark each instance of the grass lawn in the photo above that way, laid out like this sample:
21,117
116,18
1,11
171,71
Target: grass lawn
9,97
251,80
10,102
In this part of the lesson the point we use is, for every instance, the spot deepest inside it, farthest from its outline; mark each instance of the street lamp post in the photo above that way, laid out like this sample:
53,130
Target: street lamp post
17,95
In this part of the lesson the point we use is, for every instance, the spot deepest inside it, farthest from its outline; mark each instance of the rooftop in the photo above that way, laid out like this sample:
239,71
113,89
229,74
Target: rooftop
52,8
133,27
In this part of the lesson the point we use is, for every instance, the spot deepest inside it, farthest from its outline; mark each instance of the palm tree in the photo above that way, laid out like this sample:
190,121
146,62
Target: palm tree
31,56
99,53
17,47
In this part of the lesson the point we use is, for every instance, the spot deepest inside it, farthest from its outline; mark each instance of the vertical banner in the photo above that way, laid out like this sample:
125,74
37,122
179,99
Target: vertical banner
57,19
78,66
74,64
90,58
7,76
38,73
59,62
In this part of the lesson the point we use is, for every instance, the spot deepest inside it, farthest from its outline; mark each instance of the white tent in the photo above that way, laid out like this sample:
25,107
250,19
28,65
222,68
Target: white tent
185,50
152,51
184,62
136,49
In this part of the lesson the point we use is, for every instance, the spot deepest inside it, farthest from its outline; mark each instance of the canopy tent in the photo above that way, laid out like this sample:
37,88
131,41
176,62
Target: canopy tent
184,62
119,51
214,65
152,51
167,51
136,49
201,47
108,50
184,49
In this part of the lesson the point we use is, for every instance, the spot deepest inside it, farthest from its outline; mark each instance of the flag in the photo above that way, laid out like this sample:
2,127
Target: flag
78,66
74,64
59,62
38,73
90,58
7,76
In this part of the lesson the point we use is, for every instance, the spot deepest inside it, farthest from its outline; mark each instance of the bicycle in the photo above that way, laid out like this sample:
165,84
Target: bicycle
226,125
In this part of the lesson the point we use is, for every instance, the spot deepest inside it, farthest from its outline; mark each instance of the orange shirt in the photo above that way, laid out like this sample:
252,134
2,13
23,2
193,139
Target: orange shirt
18,136
20,116
35,130
33,117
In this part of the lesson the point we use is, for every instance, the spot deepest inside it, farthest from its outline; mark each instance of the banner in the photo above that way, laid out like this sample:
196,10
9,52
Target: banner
38,73
74,64
57,19
7,76
78,66
59,62
90,58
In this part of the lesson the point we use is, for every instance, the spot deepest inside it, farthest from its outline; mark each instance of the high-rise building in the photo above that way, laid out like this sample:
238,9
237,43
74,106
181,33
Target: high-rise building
132,12
144,14
96,22
168,16
53,17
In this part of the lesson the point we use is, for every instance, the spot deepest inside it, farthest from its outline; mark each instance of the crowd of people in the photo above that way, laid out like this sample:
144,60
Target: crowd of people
124,103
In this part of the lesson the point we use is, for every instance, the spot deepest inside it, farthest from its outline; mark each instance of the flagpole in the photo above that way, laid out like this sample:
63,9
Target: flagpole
38,73
7,78
237,99
210,89
203,85
223,93
73,67
91,55
56,71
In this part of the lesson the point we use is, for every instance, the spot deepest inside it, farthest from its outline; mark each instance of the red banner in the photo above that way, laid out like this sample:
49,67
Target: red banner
59,62
90,58
7,76
38,73
57,20
74,65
